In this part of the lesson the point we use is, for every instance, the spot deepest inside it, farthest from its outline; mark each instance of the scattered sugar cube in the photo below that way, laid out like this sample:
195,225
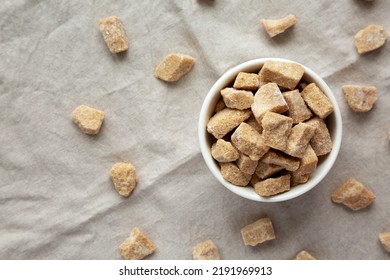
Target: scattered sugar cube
113,34
277,26
304,255
137,246
124,178
360,98
174,66
205,251
353,194
258,232
384,238
88,119
370,38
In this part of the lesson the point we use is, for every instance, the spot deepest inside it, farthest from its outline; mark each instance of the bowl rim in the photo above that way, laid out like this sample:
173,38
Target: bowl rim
204,116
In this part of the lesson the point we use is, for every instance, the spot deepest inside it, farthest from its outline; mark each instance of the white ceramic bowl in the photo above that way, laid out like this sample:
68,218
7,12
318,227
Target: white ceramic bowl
205,139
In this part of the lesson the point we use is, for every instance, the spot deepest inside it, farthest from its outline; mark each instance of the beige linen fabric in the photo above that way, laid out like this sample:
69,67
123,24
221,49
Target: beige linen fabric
56,198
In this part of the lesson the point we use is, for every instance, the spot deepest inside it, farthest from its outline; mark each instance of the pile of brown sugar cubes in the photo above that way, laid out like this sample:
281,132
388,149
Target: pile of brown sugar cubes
270,128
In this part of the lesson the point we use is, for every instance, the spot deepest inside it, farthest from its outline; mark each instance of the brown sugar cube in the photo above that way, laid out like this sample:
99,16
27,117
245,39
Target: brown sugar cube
247,81
298,178
88,119
237,99
276,129
205,251
304,255
285,74
253,123
353,194
268,98
265,170
258,232
113,34
281,159
277,26
298,139
254,180
223,151
317,101
297,109
384,238
308,162
124,178
360,98
370,38
262,80
248,141
231,173
224,121
273,186
321,142
219,106
246,165
302,85
174,66
137,246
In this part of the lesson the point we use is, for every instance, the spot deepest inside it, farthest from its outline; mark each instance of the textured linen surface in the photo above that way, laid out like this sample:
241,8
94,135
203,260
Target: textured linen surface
56,199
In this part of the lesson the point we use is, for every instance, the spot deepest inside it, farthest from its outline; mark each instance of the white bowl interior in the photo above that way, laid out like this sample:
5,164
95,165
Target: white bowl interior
325,163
